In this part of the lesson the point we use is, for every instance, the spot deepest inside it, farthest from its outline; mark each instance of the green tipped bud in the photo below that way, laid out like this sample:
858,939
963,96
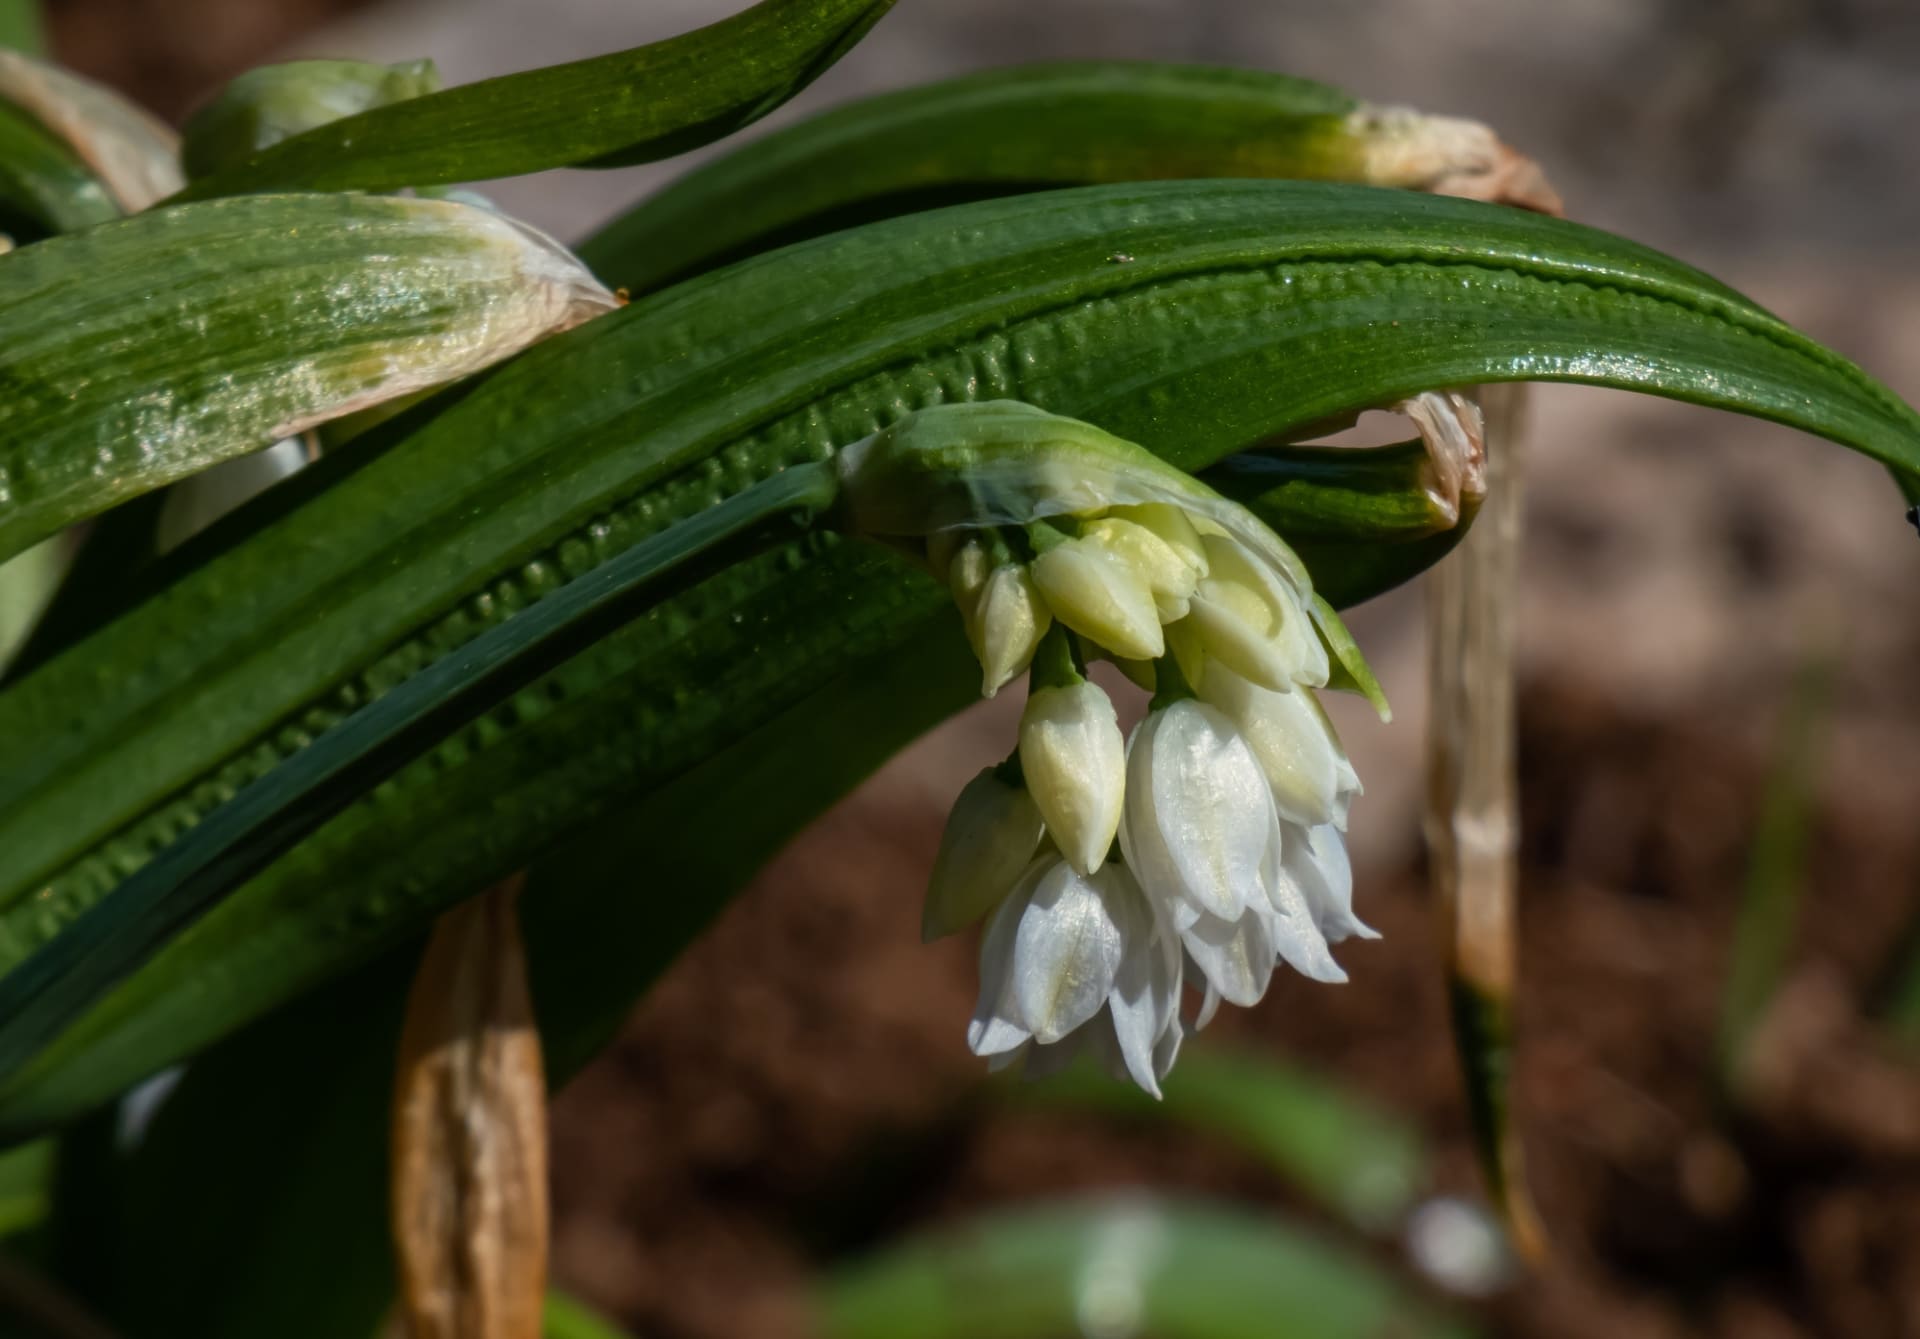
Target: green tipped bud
991,835
967,570
276,102
1005,629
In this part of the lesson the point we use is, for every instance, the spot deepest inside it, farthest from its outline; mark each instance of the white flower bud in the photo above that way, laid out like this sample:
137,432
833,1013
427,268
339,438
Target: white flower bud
1168,574
1072,962
967,570
1172,526
1075,765
1252,623
1307,770
1199,822
991,836
1010,619
1101,597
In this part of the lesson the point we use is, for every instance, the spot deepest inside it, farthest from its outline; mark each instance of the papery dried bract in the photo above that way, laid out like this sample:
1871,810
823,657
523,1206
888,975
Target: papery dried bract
469,1134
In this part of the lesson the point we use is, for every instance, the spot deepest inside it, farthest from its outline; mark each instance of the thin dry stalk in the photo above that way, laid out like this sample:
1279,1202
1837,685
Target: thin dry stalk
1472,819
469,1206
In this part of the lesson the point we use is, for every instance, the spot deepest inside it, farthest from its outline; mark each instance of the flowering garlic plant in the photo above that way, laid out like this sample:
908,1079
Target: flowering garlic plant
554,602
1063,544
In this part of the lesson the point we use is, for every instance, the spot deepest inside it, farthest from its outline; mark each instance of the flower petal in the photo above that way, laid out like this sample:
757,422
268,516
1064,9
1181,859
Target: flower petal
1294,741
1198,812
1074,760
1315,860
1255,623
1101,598
1235,957
1167,572
1292,926
995,1027
1146,992
1066,954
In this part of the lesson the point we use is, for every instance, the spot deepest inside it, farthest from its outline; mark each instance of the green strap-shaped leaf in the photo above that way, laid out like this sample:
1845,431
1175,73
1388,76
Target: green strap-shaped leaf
304,1091
143,350
1249,310
1140,1265
43,184
1002,132
53,986
628,107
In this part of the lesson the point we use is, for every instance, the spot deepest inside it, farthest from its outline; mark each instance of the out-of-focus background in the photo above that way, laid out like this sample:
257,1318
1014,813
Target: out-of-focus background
1682,569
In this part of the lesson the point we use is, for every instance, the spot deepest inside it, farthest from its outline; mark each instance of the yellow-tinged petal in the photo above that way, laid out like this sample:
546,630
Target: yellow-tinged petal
1074,760
1100,597
1168,574
1013,618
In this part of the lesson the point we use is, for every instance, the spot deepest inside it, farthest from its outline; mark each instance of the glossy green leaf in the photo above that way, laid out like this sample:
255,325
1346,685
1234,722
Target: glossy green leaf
1357,1159
1343,494
628,107
1123,1265
299,308
1251,310
54,985
43,184
974,138
306,1089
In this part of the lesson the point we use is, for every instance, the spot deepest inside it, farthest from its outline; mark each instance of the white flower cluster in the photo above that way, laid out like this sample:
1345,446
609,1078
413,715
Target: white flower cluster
1228,803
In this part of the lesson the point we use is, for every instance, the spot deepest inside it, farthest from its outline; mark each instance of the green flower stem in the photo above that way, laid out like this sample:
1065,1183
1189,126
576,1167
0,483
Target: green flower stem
1169,684
1055,663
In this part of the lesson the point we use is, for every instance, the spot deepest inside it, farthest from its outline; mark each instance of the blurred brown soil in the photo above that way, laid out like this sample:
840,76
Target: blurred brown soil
168,54
713,1157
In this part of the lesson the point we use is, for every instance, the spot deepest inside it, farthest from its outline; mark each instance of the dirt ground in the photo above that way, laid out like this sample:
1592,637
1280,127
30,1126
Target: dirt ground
694,1159
1681,568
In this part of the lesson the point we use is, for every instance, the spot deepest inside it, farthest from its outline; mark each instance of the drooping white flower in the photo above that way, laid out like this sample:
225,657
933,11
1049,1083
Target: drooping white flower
1229,801
1203,835
1074,760
1198,825
1250,619
1315,868
1071,961
1306,768
990,838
